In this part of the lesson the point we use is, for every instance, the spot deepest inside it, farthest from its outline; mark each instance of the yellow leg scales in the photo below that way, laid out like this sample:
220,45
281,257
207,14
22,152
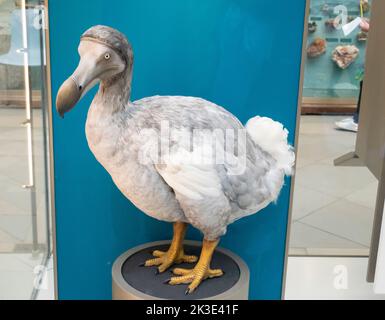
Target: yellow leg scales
200,272
175,254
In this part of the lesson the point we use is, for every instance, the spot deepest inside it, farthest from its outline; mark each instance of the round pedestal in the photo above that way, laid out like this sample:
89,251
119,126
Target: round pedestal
130,281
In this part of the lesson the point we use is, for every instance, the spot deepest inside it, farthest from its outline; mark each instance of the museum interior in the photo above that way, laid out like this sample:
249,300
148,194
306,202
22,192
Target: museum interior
332,240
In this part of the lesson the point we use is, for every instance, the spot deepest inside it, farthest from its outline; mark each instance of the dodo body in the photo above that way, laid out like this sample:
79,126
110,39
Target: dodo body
171,156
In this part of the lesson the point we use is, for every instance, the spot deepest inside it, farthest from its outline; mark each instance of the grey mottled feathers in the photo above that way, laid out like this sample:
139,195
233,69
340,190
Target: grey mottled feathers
208,195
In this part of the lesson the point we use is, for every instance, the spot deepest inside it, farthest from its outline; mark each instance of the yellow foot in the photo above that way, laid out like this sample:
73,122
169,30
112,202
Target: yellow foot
194,276
164,260
201,270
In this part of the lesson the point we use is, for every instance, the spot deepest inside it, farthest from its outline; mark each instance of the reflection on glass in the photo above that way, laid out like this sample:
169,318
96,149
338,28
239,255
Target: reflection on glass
24,200
323,78
333,206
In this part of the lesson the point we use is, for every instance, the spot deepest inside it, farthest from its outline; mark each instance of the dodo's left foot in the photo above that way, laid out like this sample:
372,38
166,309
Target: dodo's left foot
201,271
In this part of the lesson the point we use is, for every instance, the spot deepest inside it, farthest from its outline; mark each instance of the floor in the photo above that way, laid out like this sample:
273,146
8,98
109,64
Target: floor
333,207
308,278
47,289
323,278
22,274
15,201
17,265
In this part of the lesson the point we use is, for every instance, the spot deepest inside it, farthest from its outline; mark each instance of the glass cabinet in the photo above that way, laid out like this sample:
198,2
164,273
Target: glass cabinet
324,79
25,204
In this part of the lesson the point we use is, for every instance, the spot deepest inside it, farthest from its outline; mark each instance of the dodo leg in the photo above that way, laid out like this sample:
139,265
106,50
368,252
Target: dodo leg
175,253
201,271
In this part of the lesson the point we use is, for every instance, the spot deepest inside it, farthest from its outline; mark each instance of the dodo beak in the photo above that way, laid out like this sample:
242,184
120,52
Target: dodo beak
78,84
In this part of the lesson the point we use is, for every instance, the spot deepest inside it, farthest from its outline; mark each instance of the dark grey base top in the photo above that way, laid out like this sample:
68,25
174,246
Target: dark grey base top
145,279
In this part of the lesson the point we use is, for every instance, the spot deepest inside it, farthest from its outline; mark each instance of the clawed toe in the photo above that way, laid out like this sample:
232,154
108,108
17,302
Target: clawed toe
181,271
194,277
165,260
158,253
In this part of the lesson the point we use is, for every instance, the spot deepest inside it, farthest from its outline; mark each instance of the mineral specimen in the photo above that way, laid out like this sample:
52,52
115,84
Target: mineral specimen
312,27
332,24
316,48
344,56
362,36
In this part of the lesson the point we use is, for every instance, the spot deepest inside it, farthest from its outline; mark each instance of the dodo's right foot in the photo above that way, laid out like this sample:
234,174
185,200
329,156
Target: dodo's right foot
165,260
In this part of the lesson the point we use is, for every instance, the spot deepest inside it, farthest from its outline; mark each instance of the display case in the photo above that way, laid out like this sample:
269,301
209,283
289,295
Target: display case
232,53
324,79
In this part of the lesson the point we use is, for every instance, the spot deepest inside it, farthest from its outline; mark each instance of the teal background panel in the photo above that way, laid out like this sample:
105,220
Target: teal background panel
242,54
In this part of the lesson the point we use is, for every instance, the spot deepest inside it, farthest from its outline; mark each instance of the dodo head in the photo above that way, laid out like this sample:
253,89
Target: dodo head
105,55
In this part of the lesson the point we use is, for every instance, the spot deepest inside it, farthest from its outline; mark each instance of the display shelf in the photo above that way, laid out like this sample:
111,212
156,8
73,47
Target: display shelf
131,281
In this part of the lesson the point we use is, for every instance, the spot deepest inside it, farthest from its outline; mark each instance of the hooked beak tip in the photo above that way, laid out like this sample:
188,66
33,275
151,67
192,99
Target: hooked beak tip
67,97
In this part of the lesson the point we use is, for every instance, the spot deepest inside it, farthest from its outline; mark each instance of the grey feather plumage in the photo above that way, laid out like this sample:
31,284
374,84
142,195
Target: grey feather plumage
208,196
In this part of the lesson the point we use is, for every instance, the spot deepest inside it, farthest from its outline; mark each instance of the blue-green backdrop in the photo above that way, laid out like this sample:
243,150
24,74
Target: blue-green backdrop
242,54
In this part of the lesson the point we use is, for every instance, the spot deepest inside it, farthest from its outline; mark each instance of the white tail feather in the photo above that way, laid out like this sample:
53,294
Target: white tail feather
271,136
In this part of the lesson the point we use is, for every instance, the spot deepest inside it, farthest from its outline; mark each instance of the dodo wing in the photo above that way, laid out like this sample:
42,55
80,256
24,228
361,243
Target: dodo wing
194,180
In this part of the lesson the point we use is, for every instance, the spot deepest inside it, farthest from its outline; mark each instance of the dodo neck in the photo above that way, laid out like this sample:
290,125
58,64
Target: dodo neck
114,94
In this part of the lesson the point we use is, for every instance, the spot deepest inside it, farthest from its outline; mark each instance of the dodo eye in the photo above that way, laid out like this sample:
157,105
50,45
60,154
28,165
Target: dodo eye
107,56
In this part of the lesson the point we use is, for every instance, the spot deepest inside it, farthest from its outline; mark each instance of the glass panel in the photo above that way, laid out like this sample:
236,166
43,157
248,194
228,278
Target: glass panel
333,206
24,198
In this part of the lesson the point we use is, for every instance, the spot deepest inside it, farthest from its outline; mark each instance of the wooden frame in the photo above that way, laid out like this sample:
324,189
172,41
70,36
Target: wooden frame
298,120
328,105
17,98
